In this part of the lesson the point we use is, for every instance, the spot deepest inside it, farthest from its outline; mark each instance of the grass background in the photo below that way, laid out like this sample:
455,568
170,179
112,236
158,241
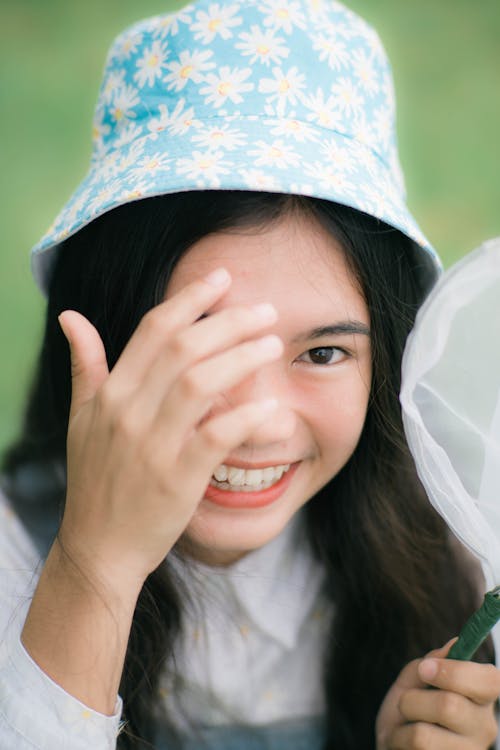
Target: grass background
446,60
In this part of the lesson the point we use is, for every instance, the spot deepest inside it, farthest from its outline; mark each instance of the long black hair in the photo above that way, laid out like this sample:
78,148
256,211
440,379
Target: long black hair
389,561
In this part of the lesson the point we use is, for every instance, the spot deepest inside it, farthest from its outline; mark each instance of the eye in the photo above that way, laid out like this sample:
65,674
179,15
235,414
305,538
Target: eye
323,355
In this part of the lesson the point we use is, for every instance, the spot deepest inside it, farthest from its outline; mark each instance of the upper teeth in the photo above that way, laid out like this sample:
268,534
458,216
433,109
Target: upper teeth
252,477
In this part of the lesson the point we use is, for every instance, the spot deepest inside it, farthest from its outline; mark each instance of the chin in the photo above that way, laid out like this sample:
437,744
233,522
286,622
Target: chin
220,536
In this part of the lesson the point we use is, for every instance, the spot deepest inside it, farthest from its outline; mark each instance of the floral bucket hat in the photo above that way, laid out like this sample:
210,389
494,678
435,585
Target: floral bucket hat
290,96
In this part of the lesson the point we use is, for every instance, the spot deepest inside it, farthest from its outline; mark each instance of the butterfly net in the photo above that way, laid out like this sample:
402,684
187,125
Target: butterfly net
451,403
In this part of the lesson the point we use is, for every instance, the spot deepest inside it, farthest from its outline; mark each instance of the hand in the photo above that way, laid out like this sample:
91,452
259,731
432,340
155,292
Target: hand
142,444
458,716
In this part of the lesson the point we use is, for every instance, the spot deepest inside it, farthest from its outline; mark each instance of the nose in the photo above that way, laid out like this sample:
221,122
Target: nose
270,381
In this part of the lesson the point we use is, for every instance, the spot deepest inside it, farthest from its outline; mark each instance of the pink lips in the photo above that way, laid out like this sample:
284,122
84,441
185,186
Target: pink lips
257,499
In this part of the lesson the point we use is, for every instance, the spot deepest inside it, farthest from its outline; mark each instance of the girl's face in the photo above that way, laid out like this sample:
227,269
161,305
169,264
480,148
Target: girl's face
322,381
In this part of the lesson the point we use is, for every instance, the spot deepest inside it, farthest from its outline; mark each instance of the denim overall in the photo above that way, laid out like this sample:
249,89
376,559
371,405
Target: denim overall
305,734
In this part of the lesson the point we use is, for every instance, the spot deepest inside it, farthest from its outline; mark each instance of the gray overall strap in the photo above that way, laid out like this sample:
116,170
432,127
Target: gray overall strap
35,492
294,734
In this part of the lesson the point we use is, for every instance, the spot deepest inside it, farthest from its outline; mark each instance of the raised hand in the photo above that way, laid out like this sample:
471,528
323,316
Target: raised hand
141,449
142,446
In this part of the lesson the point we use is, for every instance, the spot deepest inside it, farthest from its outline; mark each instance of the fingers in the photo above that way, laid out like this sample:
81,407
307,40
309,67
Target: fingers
478,682
458,715
422,736
194,392
450,710
217,437
160,323
207,337
410,676
89,367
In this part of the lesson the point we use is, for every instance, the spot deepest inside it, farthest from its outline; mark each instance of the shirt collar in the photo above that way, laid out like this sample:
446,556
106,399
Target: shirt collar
274,587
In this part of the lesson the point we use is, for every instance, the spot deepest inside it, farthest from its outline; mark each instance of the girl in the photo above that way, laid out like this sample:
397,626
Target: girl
230,545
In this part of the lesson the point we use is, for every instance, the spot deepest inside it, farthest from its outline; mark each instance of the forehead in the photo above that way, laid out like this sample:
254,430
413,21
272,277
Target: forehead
293,263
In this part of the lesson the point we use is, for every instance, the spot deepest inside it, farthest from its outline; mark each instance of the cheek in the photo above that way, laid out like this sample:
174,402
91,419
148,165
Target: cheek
336,414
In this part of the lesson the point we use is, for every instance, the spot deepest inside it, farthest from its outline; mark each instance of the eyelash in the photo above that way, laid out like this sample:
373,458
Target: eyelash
330,349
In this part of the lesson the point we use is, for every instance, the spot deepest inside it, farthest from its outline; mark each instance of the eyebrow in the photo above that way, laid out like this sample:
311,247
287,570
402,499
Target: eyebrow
336,329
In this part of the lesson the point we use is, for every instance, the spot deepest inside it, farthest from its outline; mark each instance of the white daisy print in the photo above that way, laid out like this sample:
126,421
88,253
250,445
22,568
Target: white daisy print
373,201
203,166
391,190
292,128
343,30
219,137
181,120
157,124
128,133
115,80
396,171
382,120
256,179
150,165
124,101
130,158
78,205
129,45
366,157
302,188
169,25
284,88
283,14
99,130
189,66
109,165
364,70
364,133
275,154
338,156
133,193
150,65
323,111
228,84
329,177
374,44
332,50
103,196
319,9
262,46
219,19
387,92
347,97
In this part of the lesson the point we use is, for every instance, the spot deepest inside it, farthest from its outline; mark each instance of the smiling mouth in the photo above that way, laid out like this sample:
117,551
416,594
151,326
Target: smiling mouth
236,479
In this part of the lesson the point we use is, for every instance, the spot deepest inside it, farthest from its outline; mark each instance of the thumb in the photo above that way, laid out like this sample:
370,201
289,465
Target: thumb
89,368
389,716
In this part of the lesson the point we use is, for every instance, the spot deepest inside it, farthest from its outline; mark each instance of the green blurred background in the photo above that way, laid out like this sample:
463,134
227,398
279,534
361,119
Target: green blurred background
446,60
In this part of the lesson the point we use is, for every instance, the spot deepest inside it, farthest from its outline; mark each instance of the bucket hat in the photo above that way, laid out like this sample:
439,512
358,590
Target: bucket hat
290,96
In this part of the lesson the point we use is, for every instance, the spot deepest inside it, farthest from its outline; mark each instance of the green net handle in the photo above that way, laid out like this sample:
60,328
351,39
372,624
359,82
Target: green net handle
477,627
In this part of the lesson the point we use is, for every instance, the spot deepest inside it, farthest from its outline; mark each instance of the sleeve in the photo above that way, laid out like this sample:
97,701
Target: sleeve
35,712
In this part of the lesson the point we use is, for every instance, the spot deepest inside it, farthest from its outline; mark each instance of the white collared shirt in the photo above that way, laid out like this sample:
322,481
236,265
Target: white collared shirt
252,647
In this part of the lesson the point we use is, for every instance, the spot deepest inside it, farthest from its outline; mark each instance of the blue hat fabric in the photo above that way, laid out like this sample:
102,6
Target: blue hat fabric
290,96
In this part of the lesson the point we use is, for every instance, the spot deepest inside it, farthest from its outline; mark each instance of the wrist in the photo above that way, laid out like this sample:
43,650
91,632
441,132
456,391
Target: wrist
94,572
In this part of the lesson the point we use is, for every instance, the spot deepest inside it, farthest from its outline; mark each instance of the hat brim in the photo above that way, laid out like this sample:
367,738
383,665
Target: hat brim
234,153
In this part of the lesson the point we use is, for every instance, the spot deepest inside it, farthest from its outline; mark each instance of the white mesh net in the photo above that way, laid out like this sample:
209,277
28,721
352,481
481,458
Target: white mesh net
451,403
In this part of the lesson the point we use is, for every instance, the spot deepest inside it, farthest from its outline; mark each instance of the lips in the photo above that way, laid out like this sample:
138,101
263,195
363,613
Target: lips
236,497
228,477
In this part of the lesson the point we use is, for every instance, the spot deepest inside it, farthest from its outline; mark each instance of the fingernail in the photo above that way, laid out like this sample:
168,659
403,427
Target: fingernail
265,311
219,277
428,669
